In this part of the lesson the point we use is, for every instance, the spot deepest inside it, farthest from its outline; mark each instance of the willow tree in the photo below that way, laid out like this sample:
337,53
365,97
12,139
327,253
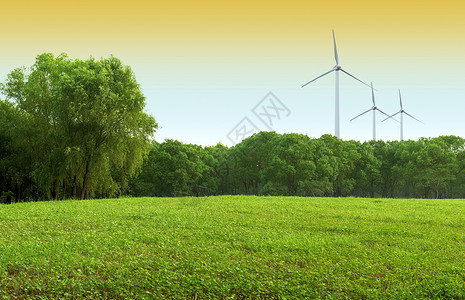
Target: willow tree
88,126
15,154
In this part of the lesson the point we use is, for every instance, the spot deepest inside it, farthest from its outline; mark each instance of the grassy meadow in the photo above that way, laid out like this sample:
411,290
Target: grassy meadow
233,247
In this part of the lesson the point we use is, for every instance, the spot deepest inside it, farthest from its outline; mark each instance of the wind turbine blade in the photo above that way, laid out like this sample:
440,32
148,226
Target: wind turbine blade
382,112
413,117
335,50
372,94
319,77
391,116
354,77
388,116
400,98
362,114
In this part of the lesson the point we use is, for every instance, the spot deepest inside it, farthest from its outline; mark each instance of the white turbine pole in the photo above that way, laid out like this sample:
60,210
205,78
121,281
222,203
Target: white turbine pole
401,126
336,108
374,124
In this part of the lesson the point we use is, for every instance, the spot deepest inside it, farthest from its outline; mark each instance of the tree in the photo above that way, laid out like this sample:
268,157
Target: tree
16,155
221,170
86,122
175,169
459,182
437,166
367,170
248,160
343,160
291,166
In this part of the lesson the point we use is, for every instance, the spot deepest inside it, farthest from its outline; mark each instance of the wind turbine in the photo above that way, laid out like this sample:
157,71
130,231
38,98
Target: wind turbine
374,109
402,112
336,69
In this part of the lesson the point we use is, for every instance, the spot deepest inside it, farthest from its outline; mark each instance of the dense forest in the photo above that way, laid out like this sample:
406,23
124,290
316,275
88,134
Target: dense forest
77,129
291,164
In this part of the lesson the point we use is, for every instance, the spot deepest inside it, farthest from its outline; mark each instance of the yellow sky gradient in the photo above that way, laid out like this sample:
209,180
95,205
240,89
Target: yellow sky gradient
196,60
168,25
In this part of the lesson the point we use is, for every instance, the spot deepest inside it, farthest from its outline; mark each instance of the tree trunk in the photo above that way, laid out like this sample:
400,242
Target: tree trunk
372,189
64,189
74,185
19,192
55,188
84,184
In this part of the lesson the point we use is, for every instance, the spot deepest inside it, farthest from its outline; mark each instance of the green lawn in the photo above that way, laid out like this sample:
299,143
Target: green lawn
233,247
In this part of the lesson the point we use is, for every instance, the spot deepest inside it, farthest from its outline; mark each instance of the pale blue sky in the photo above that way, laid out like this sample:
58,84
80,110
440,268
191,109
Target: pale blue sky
199,101
201,79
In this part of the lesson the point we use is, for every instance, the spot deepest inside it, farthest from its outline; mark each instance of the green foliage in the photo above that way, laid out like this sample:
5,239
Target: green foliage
84,124
16,154
248,160
233,247
175,169
292,164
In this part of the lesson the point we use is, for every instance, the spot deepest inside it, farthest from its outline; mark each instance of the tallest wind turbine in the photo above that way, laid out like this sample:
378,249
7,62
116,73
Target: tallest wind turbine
336,69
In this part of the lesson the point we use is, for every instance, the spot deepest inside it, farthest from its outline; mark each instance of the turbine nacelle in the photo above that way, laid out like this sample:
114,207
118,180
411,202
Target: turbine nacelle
337,68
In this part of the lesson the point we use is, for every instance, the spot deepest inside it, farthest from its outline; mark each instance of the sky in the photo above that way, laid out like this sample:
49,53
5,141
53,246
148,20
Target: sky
218,71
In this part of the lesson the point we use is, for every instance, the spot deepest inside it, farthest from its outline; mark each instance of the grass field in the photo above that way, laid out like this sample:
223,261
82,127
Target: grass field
233,248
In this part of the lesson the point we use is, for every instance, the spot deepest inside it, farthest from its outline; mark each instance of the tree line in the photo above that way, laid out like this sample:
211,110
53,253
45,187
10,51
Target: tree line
269,163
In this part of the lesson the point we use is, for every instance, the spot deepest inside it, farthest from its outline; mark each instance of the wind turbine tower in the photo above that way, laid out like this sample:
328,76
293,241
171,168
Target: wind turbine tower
402,112
374,108
336,69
